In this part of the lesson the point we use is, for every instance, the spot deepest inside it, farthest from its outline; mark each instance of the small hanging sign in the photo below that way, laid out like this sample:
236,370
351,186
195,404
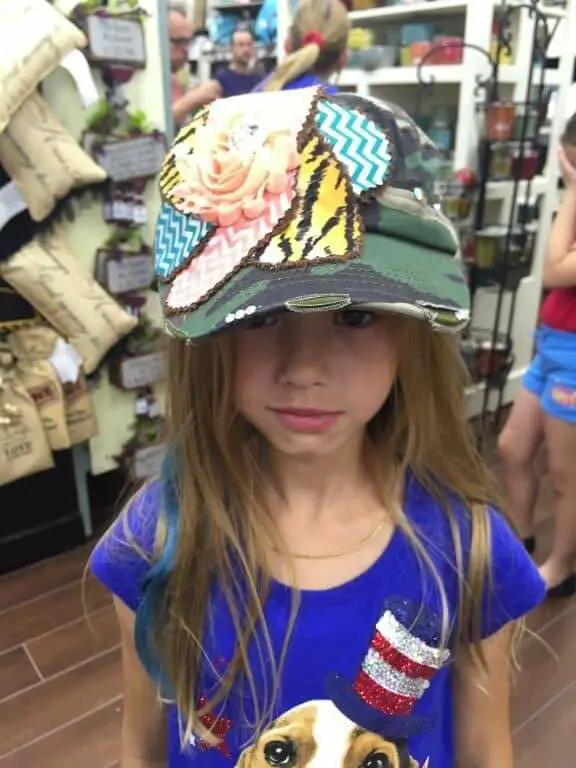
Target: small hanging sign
147,462
116,40
123,271
127,159
124,206
139,371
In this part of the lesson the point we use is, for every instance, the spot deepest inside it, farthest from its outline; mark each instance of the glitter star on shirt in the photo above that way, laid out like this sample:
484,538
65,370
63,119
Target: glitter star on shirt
218,726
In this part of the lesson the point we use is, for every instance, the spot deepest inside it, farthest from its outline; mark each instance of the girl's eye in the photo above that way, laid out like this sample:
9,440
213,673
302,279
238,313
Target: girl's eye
263,321
355,318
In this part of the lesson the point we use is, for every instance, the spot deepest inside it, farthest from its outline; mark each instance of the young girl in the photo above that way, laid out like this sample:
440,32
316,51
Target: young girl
545,408
317,578
316,47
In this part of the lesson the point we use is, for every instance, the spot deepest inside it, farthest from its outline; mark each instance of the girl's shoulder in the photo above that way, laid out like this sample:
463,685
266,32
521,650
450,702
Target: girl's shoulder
454,538
122,557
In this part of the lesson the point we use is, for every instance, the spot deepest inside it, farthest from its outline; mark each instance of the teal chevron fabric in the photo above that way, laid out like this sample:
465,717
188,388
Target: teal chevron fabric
176,236
358,143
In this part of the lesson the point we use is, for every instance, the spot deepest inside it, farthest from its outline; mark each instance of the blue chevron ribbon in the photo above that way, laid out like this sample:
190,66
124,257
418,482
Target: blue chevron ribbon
176,237
358,143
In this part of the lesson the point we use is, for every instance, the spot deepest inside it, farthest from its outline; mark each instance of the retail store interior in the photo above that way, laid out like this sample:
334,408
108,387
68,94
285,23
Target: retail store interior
101,90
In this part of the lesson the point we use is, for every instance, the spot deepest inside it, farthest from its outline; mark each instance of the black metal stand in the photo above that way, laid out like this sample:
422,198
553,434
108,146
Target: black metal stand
507,272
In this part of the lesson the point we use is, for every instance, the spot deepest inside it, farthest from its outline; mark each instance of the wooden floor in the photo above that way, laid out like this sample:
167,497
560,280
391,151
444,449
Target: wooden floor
60,680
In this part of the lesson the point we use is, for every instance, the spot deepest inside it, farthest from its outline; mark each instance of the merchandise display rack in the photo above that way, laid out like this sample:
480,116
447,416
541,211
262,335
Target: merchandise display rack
486,63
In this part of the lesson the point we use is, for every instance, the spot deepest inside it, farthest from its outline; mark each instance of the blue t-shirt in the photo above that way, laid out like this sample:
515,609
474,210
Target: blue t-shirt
335,629
236,83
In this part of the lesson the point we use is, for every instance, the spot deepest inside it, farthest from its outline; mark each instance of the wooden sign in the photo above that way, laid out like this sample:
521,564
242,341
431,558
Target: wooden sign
124,272
140,157
139,371
147,462
116,40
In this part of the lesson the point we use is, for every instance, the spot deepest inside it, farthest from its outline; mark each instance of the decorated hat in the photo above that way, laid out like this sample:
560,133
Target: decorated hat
404,655
299,201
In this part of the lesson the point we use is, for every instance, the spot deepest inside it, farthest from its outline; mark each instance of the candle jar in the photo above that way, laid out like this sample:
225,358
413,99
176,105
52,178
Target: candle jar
489,246
492,358
500,120
500,162
527,119
525,163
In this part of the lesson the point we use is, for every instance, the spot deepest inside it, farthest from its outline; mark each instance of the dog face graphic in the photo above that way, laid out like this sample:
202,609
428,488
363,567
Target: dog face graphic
318,735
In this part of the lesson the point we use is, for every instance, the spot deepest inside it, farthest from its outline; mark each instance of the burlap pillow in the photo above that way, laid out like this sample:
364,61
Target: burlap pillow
47,274
34,37
44,161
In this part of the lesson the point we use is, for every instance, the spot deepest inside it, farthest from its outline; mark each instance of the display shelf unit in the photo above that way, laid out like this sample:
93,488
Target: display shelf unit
457,85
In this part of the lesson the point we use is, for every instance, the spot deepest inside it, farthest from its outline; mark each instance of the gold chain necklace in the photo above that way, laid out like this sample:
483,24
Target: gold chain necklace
355,548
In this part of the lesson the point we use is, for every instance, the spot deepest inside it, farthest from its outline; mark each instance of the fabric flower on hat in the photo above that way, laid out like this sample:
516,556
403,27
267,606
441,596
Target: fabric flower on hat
241,158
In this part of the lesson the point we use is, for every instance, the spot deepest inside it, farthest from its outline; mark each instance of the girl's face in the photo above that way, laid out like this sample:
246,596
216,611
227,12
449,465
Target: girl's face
311,383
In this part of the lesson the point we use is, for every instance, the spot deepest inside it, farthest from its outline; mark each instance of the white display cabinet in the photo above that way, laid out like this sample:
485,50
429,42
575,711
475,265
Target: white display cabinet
456,86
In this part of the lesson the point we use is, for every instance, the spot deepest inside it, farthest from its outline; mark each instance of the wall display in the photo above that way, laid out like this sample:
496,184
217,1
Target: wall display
142,456
131,158
115,35
125,263
139,363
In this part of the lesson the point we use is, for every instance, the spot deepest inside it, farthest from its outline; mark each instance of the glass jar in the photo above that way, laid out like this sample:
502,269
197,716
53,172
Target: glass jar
500,120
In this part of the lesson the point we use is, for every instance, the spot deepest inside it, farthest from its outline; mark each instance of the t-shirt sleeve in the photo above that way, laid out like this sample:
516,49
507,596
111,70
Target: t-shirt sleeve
515,586
121,559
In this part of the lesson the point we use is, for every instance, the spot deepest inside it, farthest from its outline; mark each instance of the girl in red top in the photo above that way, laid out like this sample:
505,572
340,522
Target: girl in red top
545,409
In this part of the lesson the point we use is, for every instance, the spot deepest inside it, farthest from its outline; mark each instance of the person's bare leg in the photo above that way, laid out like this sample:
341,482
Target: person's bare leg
561,445
518,445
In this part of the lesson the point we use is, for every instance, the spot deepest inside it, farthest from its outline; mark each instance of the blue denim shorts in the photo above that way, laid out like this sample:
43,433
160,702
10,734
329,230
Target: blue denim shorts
552,374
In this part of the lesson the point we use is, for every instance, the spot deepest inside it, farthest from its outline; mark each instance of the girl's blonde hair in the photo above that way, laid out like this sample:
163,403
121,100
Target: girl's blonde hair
221,512
326,23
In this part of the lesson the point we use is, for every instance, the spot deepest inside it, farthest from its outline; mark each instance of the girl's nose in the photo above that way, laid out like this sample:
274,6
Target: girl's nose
304,351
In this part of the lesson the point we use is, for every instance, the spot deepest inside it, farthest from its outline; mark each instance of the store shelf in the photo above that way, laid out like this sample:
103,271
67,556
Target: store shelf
410,10
238,5
548,10
497,190
449,74
400,75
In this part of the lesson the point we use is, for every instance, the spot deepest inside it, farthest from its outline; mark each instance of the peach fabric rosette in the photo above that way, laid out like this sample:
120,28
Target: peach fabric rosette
236,163
239,178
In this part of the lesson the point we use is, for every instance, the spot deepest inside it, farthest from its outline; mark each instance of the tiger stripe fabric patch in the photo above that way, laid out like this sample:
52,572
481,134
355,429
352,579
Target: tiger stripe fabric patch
326,223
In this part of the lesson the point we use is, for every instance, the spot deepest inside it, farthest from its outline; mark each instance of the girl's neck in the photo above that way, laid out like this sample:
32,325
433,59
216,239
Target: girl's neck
326,486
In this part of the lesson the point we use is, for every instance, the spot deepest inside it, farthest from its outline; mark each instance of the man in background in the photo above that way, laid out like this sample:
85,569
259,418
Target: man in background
181,34
237,78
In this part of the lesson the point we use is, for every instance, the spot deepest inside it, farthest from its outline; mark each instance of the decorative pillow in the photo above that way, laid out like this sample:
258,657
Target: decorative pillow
44,161
34,37
47,274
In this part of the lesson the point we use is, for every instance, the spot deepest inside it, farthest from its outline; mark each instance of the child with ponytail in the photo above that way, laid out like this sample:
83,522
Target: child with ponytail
319,578
316,47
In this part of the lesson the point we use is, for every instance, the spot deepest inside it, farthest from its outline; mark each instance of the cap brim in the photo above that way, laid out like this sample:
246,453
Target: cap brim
391,275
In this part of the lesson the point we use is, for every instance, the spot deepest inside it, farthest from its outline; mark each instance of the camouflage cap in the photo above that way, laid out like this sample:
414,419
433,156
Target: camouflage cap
299,201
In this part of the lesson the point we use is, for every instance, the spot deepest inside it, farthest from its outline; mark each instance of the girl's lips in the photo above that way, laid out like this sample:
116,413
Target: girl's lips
306,419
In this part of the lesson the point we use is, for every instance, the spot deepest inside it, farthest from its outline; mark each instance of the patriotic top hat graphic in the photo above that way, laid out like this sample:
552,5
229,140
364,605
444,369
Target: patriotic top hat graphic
403,657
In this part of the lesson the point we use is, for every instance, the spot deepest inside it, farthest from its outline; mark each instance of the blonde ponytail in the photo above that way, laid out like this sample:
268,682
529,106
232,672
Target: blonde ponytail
325,20
292,66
